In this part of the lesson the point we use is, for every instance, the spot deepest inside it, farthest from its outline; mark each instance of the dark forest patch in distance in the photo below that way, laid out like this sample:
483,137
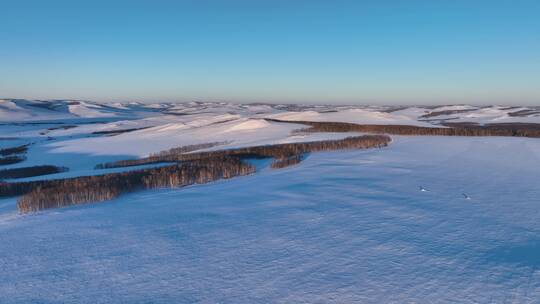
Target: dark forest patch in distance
117,132
446,112
14,150
10,160
31,171
461,129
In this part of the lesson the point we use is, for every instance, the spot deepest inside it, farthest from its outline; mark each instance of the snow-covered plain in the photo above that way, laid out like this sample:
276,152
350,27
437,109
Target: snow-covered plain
340,227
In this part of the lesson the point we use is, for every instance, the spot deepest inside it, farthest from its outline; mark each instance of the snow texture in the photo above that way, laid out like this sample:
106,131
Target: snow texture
342,227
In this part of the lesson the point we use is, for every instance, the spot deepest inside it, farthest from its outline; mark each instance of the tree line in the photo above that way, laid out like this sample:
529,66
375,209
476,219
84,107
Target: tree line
9,160
266,151
449,129
158,157
14,150
31,171
40,195
191,168
13,155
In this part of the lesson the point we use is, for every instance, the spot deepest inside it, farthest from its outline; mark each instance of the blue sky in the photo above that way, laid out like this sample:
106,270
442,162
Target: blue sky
391,52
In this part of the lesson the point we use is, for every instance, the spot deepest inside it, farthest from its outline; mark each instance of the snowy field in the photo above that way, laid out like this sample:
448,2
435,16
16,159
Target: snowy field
424,220
341,227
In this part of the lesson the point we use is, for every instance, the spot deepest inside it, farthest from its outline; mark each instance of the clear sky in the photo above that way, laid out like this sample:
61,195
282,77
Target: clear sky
380,51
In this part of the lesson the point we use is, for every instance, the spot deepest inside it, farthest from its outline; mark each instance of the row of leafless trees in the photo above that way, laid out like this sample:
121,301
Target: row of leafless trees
191,168
41,195
266,151
31,171
9,160
446,112
14,150
501,129
190,148
118,132
524,113
13,155
157,157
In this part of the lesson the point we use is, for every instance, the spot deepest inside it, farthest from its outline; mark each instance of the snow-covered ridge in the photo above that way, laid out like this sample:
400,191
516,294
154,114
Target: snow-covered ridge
71,127
21,110
17,110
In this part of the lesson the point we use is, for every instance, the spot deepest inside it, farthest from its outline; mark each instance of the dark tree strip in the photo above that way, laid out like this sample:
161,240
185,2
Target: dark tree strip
11,160
67,127
42,195
274,151
118,132
524,113
190,148
447,112
14,150
278,151
158,157
194,168
510,129
31,171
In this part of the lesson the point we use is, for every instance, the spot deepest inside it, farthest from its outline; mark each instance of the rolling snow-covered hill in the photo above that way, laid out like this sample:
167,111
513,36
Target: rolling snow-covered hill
424,220
161,126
